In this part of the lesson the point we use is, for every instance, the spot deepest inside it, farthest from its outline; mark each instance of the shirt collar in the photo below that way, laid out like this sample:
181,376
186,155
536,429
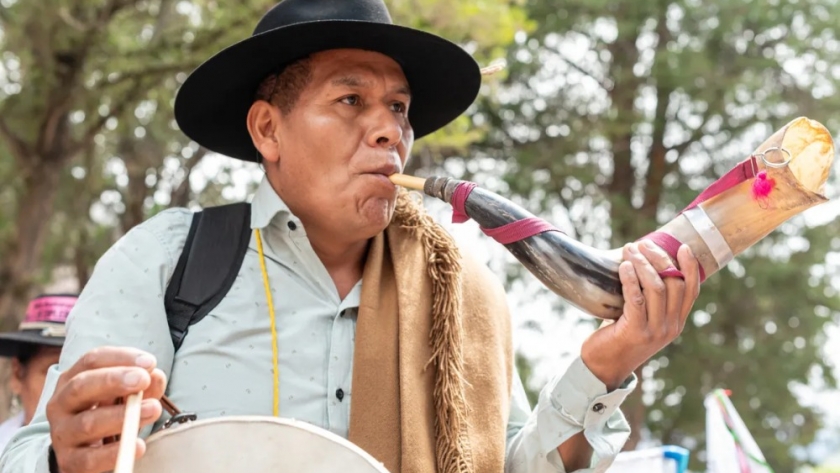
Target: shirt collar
267,207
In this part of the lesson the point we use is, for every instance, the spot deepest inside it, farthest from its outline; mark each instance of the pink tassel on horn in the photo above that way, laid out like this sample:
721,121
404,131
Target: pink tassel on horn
762,186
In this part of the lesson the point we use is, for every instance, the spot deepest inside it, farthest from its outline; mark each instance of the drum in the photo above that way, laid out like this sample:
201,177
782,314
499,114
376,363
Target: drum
252,444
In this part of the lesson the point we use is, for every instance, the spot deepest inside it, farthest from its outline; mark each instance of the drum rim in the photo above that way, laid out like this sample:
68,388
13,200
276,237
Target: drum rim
311,428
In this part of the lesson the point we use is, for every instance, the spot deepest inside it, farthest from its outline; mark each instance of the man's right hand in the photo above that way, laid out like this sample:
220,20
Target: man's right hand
83,411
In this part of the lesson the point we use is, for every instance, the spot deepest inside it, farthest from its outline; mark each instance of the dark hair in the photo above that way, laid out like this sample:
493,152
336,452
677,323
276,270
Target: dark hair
284,88
26,352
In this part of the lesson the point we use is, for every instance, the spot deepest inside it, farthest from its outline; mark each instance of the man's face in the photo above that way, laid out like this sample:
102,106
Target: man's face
346,133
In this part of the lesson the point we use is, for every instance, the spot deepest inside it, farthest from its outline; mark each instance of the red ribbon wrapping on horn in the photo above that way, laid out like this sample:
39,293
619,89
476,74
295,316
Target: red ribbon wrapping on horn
528,227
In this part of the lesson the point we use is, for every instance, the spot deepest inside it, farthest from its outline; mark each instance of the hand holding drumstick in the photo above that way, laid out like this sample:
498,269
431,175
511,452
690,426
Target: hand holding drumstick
82,412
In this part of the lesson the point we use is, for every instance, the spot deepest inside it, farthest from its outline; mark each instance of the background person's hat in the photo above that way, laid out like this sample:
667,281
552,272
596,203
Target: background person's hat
212,105
44,324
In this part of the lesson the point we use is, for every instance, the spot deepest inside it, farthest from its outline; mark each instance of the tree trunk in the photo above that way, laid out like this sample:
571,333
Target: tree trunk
620,133
180,196
22,256
80,261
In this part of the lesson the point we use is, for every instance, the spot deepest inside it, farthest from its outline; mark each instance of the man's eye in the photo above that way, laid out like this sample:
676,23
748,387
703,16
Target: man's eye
351,100
399,107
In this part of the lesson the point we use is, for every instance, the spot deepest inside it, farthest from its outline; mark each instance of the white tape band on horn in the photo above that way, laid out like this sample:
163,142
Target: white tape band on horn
710,234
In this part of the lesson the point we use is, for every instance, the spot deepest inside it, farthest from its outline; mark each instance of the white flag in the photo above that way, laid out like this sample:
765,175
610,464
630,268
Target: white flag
729,446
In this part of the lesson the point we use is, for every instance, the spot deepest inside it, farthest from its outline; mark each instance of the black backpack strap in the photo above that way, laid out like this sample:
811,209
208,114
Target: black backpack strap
209,263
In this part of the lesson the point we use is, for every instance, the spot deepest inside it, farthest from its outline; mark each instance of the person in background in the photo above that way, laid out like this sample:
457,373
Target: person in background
33,348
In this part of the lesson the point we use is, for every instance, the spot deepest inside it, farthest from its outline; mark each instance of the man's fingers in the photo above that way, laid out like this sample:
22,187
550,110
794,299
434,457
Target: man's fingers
690,267
652,286
91,426
674,287
657,257
635,310
107,357
82,410
157,387
91,387
93,459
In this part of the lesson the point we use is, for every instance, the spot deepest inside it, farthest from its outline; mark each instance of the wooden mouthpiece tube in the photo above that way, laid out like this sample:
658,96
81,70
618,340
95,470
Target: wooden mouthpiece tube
407,181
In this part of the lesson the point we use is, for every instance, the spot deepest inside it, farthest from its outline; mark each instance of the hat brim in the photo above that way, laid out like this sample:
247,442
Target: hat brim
12,342
212,105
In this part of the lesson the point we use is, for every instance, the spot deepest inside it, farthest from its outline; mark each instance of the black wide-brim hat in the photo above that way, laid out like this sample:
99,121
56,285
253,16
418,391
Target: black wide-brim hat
212,105
13,342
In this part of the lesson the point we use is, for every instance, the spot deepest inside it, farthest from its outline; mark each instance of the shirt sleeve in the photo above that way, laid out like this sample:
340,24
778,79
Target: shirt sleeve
576,401
121,305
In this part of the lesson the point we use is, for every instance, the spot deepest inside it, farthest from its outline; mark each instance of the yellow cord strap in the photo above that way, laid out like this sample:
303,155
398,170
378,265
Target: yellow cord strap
276,407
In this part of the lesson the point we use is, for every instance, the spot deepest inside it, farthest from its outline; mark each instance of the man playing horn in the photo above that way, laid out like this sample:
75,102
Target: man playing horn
351,309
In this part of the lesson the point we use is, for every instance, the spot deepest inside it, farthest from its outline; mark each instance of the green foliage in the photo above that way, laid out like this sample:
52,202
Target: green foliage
108,70
620,112
84,81
758,331
484,28
525,372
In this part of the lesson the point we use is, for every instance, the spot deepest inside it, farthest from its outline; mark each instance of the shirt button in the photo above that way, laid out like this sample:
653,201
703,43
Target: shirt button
339,393
599,408
342,312
292,226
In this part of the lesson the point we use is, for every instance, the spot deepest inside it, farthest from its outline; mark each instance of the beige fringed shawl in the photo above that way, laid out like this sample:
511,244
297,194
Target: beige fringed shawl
433,359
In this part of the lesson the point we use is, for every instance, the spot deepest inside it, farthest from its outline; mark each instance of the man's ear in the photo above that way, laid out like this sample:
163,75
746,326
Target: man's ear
263,120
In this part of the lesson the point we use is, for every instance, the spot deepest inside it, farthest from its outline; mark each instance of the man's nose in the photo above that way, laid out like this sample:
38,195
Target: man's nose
386,130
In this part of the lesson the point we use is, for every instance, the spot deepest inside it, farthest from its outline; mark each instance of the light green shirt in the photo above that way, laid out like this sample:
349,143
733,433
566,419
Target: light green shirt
224,366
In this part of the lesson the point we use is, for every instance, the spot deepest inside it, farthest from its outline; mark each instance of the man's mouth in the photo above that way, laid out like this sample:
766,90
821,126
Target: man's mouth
383,179
382,172
386,169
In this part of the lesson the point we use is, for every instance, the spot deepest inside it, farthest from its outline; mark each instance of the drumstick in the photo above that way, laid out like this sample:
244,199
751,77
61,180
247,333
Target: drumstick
128,439
405,180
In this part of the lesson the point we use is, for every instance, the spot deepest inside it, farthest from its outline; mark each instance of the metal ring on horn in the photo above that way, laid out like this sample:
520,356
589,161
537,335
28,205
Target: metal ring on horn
772,164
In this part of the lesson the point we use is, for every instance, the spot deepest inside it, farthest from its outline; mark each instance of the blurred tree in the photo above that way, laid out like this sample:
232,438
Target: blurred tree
525,371
88,144
621,112
70,71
